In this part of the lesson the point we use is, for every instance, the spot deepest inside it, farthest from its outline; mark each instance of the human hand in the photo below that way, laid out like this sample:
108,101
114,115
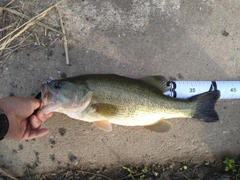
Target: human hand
25,118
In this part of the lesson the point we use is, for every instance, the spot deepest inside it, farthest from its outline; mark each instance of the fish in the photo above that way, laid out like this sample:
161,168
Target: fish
106,99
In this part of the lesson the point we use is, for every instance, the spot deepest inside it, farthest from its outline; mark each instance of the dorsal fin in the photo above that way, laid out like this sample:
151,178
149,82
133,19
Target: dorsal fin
159,82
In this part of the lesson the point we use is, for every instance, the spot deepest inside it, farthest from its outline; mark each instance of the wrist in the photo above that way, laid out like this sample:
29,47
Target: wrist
4,123
11,118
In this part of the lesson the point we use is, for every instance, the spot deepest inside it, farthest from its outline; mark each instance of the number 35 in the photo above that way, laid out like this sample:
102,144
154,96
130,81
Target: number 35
192,90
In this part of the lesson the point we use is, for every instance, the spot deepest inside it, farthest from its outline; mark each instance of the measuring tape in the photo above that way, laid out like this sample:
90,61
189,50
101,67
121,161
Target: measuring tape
186,89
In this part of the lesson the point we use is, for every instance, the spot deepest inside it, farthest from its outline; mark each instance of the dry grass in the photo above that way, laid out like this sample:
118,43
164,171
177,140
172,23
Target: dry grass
7,174
11,32
64,37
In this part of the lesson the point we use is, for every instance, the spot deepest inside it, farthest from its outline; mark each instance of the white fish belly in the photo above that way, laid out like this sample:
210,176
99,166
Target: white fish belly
144,119
141,119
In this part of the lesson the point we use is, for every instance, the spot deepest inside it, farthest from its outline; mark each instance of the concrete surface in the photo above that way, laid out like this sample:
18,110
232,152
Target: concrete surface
133,38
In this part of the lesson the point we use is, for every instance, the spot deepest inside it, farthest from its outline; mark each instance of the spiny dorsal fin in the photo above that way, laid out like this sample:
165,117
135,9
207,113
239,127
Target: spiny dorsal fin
105,109
160,126
158,81
103,125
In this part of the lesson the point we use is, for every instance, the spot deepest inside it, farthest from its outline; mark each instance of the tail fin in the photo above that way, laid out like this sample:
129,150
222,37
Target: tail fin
204,106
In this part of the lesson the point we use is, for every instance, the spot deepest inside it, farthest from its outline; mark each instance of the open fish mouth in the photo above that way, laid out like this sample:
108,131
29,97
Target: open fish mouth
44,94
49,99
47,96
38,96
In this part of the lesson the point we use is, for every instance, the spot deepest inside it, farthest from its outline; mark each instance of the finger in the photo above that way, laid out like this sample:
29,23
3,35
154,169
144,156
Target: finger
35,103
35,122
34,133
42,117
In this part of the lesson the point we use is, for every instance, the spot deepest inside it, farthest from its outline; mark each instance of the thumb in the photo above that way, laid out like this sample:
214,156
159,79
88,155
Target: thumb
35,103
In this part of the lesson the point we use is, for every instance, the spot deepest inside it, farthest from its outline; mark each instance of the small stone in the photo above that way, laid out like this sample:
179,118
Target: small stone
224,33
62,131
72,157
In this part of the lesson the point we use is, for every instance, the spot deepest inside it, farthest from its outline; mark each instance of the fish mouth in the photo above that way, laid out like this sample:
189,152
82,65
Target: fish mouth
47,95
49,99
44,94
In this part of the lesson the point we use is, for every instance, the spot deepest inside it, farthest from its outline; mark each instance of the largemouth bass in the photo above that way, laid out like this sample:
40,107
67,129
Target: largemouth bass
108,99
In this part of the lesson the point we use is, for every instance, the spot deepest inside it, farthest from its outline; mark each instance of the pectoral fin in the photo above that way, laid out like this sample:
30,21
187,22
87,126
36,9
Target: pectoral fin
106,110
160,126
103,125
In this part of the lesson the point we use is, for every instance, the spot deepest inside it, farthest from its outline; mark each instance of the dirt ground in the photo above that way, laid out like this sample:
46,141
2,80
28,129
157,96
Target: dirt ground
182,40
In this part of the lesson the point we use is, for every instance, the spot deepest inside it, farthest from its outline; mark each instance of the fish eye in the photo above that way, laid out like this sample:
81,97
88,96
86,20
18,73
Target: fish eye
57,85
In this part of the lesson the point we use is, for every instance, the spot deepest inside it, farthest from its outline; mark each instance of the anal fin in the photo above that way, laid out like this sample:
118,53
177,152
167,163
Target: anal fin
103,125
160,126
